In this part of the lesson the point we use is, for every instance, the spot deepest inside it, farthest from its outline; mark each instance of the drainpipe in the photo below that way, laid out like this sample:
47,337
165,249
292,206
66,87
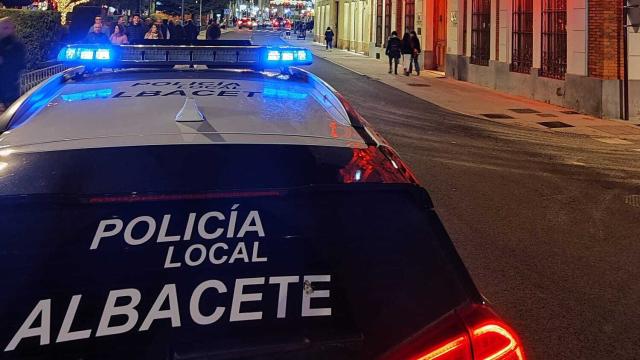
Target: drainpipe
625,55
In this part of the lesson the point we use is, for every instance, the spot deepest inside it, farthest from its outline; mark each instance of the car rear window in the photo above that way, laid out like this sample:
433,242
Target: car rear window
244,259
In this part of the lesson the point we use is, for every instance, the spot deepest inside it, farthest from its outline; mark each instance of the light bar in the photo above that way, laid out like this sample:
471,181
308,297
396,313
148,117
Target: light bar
214,56
85,54
288,56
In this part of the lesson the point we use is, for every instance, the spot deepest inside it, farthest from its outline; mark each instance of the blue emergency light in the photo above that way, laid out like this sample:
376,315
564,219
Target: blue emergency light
288,56
86,54
216,56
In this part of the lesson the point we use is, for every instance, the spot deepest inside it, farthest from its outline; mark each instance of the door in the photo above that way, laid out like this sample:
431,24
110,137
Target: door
439,33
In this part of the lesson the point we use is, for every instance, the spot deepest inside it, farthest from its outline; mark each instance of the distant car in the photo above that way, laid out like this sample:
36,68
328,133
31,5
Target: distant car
184,213
245,23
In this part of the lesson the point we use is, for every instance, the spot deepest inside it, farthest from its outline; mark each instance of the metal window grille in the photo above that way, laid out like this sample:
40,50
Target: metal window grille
554,39
399,17
379,40
480,31
409,15
522,36
464,28
387,19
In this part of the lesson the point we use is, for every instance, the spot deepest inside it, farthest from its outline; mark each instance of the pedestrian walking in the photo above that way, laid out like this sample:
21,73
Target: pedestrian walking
96,36
328,38
135,31
12,62
415,52
393,51
119,36
213,31
407,52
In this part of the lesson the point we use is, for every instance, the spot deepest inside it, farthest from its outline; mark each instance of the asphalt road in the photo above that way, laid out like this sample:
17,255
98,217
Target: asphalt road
544,222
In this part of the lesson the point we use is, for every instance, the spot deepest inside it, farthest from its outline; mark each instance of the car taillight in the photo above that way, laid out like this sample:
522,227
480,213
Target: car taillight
473,332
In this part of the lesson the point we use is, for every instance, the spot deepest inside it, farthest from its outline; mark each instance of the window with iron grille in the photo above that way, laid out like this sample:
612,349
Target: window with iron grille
464,27
379,23
522,36
480,31
554,39
409,15
387,20
399,17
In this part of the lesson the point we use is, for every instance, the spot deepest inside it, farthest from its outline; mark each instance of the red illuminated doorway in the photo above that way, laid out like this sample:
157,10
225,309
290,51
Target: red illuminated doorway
439,33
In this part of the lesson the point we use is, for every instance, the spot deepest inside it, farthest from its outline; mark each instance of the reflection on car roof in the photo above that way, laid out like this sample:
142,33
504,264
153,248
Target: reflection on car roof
125,111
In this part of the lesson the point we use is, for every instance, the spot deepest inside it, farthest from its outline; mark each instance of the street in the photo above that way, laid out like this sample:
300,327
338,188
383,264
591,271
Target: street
546,223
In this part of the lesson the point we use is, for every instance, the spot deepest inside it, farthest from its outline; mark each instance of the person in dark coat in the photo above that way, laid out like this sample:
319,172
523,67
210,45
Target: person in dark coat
12,62
328,38
213,31
415,52
406,52
191,30
136,31
394,46
164,28
175,31
96,36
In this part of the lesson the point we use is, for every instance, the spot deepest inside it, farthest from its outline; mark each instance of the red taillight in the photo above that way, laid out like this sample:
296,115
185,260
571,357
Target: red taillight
374,165
474,332
491,337
454,349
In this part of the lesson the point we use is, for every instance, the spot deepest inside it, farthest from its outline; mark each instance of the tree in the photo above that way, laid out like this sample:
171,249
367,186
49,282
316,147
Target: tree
66,6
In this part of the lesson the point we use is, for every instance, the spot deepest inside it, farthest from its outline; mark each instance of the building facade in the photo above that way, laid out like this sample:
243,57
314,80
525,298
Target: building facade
350,20
564,52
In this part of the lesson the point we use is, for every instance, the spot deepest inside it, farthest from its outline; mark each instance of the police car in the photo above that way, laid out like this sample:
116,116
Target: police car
240,209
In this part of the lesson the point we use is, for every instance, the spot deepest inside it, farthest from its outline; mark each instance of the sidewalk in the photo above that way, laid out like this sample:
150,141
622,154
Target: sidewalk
481,102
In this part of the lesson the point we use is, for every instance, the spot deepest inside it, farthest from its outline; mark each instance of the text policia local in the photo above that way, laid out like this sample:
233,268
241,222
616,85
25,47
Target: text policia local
172,305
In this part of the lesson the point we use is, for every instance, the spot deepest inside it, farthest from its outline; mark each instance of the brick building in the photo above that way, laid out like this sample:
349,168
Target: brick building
565,52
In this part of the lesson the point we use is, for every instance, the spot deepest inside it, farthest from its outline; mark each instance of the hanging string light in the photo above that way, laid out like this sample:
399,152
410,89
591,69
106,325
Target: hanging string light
66,6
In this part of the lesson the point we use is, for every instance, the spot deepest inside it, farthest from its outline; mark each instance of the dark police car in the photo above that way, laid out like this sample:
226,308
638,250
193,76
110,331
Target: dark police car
221,212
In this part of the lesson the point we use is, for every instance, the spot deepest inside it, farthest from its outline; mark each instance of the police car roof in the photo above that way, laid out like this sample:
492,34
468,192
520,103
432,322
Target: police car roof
157,107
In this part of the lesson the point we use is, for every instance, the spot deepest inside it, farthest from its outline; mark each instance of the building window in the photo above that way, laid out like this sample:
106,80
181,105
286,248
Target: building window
399,17
522,36
464,28
480,31
554,39
409,15
379,23
387,20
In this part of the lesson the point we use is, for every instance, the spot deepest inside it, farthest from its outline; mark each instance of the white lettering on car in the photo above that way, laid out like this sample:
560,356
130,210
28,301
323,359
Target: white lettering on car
239,297
110,310
123,305
168,292
308,295
42,310
65,333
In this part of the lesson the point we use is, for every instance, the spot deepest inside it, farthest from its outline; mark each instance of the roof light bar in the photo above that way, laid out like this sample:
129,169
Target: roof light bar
85,54
287,56
217,56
